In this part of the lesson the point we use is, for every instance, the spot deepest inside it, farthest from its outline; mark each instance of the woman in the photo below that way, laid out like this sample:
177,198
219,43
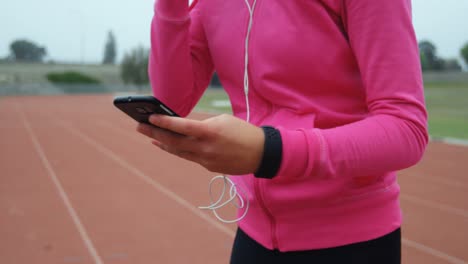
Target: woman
333,95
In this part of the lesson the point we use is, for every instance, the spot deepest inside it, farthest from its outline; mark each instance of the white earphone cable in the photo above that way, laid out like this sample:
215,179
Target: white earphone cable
233,194
233,189
246,60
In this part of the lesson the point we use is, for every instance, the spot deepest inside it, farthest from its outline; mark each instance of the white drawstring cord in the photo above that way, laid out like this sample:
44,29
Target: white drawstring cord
233,193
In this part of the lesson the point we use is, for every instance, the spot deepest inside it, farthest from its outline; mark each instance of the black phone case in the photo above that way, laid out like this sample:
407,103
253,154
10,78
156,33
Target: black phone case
140,107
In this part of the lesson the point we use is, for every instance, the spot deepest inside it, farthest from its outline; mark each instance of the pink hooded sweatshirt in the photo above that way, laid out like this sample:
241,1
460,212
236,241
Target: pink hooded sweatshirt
341,81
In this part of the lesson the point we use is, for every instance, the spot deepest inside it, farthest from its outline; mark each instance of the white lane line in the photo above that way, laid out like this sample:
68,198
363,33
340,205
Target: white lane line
451,141
435,205
76,220
122,162
433,252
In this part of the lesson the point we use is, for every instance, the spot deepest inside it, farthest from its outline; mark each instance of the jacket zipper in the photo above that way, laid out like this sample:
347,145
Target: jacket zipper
259,196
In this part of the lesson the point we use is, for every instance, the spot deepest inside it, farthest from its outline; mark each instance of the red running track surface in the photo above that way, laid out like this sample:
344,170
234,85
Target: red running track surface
79,185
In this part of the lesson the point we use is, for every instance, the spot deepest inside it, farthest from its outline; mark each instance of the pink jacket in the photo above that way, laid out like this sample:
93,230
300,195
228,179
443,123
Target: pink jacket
340,79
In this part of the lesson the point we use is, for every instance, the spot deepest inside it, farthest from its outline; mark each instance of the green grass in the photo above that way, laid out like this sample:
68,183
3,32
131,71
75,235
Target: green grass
448,127
36,73
447,105
210,96
71,77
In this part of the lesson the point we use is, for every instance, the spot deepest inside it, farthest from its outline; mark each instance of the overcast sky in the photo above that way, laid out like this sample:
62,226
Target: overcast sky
76,30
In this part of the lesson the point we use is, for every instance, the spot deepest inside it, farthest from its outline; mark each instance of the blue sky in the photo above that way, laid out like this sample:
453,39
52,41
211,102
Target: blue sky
76,30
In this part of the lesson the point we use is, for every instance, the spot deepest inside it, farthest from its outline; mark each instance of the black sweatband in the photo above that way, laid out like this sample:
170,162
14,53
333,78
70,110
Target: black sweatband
272,154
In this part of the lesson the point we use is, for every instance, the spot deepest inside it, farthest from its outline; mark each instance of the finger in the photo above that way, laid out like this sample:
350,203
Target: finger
157,133
168,139
179,125
144,129
190,156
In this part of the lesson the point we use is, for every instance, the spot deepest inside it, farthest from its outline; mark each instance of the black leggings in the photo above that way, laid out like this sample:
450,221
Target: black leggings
383,250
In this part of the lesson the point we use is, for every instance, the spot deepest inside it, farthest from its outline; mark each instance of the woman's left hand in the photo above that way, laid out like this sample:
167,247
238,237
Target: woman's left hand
223,144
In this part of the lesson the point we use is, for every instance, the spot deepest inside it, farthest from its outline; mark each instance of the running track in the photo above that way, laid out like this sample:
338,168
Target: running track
79,185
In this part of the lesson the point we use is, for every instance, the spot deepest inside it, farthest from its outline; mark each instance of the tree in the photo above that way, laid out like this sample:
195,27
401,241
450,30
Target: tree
215,82
134,68
110,49
424,63
429,58
452,65
464,53
25,50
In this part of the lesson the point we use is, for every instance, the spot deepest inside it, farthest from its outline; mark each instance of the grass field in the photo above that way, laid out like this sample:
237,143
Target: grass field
36,73
447,105
207,102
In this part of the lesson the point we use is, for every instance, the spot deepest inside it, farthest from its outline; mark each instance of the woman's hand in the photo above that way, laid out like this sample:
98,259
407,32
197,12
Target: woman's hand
223,144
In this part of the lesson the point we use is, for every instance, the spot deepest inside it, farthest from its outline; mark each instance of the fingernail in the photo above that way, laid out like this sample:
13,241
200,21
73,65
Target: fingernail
154,118
142,128
156,143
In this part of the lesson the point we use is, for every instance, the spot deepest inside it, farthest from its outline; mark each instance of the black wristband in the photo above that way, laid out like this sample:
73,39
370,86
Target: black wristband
272,154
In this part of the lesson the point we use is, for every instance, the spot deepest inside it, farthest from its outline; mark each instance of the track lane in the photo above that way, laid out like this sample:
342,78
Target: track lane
34,223
424,225
125,216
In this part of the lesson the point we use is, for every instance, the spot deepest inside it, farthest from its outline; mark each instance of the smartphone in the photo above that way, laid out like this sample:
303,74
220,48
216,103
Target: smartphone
140,107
